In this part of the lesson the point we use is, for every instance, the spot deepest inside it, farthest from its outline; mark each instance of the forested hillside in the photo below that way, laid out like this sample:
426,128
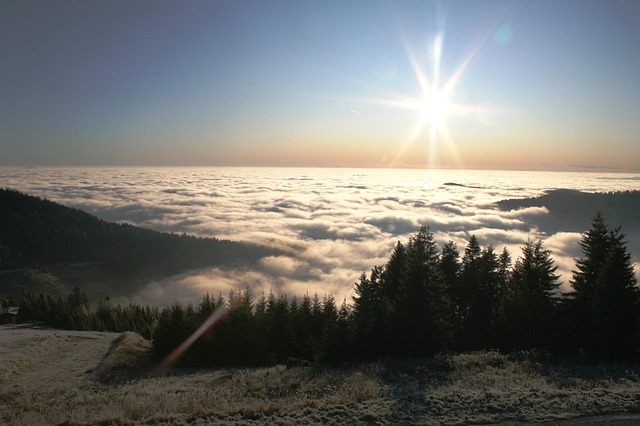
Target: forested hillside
38,236
571,210
425,299
428,299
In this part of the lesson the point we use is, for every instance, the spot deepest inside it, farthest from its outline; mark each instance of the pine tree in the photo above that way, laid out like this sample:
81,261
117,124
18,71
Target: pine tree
104,317
450,268
616,303
368,315
479,295
344,332
237,344
595,244
329,349
171,330
392,274
468,281
303,329
533,298
604,304
280,331
423,310
504,268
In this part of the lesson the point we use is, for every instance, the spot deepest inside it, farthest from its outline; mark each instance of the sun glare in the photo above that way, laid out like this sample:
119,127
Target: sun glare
434,104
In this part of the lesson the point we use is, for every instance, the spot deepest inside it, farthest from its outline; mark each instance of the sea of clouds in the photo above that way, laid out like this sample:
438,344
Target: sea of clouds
331,224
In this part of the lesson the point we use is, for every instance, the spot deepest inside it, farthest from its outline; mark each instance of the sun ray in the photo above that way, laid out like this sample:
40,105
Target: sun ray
415,132
418,71
434,102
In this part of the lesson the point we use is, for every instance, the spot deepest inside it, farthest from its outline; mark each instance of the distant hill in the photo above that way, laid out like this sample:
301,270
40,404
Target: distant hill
71,247
572,211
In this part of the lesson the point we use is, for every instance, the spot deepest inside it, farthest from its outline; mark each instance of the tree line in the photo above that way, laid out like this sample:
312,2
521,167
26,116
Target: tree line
424,299
73,312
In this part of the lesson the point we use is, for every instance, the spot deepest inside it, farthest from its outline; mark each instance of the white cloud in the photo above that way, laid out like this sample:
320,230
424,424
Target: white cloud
331,224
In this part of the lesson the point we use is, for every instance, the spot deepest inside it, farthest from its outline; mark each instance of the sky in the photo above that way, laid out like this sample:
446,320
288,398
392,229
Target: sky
519,85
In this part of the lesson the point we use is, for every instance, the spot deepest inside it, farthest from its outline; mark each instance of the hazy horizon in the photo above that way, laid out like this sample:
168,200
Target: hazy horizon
492,85
569,169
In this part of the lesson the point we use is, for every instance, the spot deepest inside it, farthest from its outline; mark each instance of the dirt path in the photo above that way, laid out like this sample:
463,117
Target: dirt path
31,357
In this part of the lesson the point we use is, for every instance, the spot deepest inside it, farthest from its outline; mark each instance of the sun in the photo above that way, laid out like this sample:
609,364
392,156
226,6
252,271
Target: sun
433,104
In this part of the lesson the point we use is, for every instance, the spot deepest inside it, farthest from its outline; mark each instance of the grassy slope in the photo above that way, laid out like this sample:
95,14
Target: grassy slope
99,380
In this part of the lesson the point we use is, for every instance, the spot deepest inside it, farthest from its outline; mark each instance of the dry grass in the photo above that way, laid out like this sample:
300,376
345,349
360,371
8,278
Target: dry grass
483,387
127,358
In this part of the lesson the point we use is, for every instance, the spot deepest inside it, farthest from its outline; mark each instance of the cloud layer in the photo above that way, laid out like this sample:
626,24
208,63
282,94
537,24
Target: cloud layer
332,224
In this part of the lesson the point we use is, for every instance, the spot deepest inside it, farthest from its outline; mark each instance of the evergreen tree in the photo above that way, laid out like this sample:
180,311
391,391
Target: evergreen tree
104,317
490,293
604,303
533,298
369,316
423,310
171,330
393,272
450,268
280,331
344,327
77,311
329,347
480,291
504,268
504,273
595,244
303,325
238,340
616,303
467,286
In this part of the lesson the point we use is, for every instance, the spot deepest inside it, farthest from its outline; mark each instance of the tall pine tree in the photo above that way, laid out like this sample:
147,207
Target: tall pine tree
605,301
616,303
531,303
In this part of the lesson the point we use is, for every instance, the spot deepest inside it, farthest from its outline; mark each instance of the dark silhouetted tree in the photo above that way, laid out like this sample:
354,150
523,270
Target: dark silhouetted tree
616,301
603,307
369,316
595,244
532,299
480,292
423,310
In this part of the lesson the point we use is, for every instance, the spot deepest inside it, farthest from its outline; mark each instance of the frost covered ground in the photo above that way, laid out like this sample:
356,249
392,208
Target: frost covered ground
53,376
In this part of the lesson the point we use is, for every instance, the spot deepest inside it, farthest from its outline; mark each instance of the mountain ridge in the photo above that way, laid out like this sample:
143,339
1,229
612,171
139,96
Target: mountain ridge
74,246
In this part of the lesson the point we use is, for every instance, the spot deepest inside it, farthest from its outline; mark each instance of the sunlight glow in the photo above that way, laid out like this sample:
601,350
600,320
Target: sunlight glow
434,104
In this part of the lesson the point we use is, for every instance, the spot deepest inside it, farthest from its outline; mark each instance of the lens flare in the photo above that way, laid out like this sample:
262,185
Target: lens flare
216,316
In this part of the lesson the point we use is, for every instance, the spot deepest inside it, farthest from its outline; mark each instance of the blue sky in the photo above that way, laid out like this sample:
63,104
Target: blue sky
543,84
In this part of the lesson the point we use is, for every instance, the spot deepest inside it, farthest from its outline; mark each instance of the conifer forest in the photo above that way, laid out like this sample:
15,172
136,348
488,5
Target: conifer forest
424,300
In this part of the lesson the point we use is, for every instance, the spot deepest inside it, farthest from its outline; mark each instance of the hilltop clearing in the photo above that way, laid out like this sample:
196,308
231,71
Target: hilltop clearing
53,376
